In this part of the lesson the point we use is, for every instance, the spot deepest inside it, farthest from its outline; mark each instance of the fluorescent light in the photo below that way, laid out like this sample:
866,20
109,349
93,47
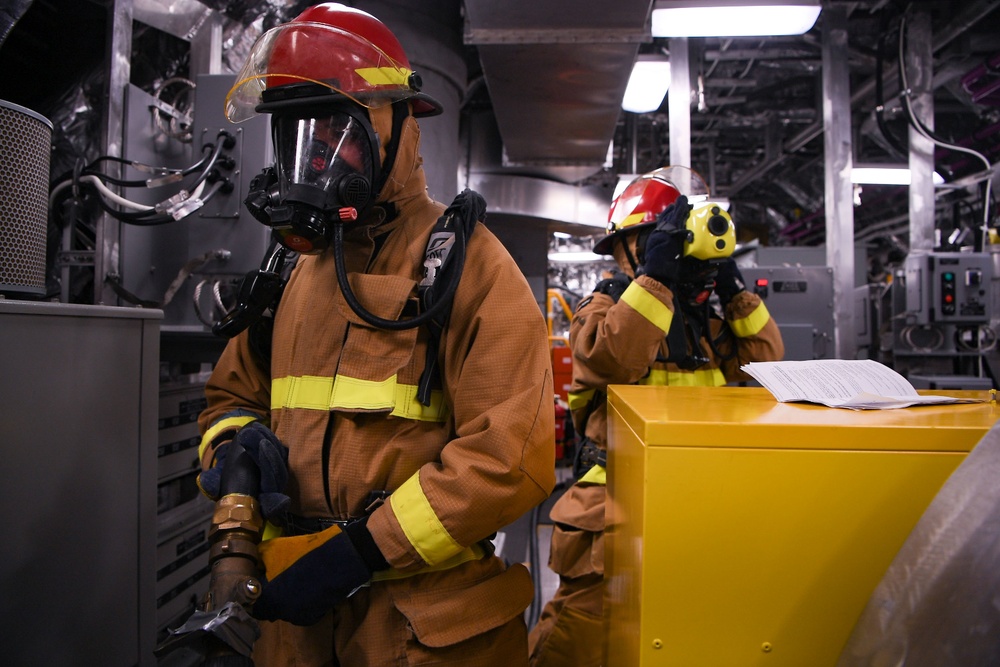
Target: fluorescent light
576,257
647,84
733,18
886,175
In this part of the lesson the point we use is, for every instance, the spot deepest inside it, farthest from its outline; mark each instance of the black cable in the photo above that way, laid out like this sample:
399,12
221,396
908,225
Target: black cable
394,325
471,211
913,120
91,169
153,217
223,140
890,137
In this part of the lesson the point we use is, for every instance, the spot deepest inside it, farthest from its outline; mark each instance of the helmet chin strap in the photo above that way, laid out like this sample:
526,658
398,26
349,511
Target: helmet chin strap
631,258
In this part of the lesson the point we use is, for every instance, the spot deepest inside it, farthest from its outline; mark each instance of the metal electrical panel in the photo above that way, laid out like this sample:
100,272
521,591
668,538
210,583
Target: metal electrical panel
208,251
800,299
949,287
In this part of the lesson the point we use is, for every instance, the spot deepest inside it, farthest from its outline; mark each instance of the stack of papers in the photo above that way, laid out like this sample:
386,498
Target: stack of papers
857,384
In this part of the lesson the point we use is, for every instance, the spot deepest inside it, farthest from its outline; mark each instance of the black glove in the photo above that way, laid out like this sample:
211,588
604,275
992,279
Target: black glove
271,458
307,575
728,281
614,286
665,246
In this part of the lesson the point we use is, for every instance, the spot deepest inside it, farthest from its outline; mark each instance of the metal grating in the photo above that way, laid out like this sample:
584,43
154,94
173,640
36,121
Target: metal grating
25,146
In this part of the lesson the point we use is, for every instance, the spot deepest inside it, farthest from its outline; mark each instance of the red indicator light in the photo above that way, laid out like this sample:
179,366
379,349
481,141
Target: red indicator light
948,298
762,282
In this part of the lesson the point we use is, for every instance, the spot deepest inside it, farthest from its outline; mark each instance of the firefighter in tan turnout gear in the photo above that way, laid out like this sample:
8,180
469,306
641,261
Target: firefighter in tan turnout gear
653,323
399,402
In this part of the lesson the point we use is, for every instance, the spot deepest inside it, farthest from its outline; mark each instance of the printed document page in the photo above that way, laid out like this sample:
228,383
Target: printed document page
858,384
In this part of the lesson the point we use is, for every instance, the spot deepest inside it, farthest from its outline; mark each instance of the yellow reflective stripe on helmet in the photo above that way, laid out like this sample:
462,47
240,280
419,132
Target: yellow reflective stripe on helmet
577,400
648,306
420,524
312,392
220,426
706,377
752,323
385,76
596,475
630,220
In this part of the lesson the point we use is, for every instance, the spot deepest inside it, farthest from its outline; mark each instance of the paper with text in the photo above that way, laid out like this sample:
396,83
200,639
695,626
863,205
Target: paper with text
858,384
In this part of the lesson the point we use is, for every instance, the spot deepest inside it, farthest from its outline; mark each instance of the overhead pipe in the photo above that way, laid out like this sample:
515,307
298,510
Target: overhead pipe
967,18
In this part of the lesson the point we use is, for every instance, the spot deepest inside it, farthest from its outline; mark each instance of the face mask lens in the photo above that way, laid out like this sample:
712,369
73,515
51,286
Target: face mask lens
320,157
318,152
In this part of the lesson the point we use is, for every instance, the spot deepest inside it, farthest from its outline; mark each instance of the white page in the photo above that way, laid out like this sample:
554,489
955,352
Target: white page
860,384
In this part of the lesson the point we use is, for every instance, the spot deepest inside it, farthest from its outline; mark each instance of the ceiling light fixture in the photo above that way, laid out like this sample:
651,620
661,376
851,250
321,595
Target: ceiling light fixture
733,18
647,84
886,174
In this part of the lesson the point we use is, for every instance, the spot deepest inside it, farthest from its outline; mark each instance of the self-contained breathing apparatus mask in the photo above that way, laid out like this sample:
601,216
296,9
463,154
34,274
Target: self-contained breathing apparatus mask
326,167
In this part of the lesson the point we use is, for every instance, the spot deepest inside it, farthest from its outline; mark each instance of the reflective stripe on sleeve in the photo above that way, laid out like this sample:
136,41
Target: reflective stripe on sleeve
312,392
220,426
648,306
596,475
752,323
577,400
420,524
706,377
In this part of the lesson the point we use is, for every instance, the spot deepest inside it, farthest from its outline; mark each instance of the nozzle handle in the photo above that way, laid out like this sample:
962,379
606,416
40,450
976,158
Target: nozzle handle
240,473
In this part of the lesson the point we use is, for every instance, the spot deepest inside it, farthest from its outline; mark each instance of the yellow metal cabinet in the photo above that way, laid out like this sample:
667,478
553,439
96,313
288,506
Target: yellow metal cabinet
743,531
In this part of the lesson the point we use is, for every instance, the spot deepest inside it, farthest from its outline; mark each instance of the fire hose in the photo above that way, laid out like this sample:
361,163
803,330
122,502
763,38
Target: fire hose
221,631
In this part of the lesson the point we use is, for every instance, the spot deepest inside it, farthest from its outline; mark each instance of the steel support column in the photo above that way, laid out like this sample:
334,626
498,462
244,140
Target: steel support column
919,62
837,187
119,57
679,102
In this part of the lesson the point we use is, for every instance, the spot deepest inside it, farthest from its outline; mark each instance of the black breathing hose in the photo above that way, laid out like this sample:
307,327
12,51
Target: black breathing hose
470,208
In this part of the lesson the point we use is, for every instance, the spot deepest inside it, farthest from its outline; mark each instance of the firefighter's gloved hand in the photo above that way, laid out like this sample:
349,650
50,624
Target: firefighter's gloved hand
271,458
665,246
306,575
614,286
729,281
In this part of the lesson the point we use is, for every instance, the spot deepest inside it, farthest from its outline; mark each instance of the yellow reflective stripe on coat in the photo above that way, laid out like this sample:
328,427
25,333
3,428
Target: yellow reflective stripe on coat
220,426
577,400
596,475
384,76
312,392
752,323
707,377
420,524
648,306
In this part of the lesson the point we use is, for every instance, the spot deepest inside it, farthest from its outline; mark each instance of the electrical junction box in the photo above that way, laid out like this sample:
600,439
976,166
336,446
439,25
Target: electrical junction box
948,287
743,531
800,299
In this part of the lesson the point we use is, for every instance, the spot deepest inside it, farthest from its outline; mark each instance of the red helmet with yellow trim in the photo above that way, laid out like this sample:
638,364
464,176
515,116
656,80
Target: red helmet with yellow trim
328,49
646,197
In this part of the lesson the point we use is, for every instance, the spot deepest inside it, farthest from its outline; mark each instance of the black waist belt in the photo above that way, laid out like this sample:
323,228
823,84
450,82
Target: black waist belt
306,525
587,456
